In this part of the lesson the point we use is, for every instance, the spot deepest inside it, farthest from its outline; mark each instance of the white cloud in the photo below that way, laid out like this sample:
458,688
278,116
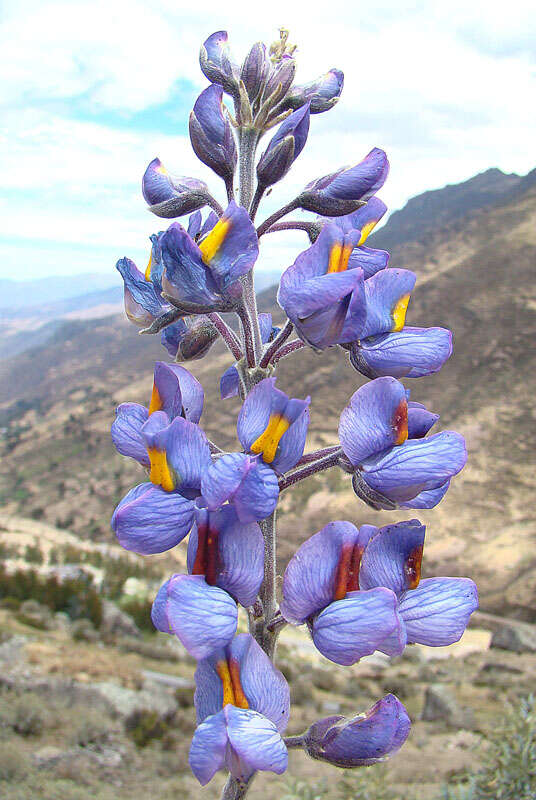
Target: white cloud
446,90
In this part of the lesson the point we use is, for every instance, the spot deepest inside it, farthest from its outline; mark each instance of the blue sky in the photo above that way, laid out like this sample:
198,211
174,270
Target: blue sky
92,91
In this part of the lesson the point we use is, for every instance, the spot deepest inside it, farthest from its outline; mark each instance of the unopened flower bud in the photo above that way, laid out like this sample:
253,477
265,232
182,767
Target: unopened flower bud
366,739
211,135
188,341
282,75
284,148
216,63
348,188
322,94
255,70
170,196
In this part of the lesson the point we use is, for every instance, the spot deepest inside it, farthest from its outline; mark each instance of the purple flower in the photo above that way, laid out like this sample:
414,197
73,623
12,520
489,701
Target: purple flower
202,616
385,346
364,220
393,463
215,62
211,134
284,148
408,353
155,516
206,272
361,590
143,300
170,196
245,481
343,191
242,704
230,381
320,294
273,426
227,552
363,740
433,611
321,587
225,566
175,392
322,94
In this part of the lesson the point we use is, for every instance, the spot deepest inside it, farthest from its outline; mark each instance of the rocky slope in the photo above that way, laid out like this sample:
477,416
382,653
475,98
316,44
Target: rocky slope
476,276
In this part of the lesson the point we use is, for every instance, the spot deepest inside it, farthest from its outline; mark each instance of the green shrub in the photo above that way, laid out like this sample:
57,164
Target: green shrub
297,789
13,763
140,611
93,729
84,631
144,726
76,596
10,603
509,764
26,715
33,554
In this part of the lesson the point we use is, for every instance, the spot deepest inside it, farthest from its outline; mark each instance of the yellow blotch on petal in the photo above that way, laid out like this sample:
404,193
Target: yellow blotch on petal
162,170
156,401
399,312
160,473
222,668
268,442
148,267
367,228
214,240
338,257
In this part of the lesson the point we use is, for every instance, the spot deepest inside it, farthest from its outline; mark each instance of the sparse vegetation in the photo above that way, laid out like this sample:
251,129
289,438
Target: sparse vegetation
76,596
509,764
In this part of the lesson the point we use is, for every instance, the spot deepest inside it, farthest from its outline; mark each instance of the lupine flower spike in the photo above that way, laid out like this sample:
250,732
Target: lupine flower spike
357,590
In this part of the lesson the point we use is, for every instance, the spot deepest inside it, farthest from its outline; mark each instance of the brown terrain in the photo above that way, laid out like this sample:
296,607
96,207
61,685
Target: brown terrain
473,247
476,271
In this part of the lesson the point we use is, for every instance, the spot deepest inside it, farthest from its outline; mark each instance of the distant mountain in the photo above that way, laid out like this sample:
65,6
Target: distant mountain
25,294
476,276
442,207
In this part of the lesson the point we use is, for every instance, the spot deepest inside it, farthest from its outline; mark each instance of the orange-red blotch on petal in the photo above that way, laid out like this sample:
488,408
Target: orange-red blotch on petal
400,422
412,567
240,697
347,575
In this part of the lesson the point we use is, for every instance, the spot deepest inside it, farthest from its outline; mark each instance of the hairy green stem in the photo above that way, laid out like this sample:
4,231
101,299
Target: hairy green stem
234,789
282,212
267,593
248,141
227,334
294,741
288,349
310,469
250,374
279,340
